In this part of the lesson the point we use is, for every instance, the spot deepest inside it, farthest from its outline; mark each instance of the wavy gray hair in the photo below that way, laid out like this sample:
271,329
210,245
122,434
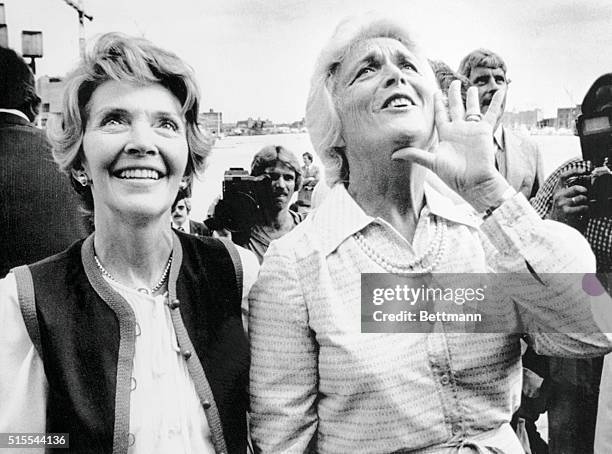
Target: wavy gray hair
322,120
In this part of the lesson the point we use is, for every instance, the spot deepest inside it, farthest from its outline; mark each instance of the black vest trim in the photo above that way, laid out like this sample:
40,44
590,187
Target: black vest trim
127,345
193,362
237,261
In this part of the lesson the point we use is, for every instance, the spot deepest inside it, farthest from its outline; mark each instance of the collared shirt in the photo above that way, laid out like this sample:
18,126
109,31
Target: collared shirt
19,113
315,378
183,228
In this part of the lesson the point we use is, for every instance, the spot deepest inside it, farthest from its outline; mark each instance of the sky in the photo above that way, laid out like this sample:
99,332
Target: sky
254,58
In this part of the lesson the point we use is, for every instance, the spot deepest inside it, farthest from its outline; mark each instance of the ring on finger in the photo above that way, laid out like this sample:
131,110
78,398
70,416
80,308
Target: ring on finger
473,117
574,201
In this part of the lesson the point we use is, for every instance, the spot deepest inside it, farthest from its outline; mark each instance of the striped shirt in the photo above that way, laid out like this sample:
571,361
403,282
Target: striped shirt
318,383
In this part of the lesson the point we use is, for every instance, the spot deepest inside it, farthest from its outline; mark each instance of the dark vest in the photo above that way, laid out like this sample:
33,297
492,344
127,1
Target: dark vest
80,339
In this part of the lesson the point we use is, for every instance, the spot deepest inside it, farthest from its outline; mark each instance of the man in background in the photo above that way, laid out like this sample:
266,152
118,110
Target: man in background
310,178
517,158
38,209
574,383
283,177
181,209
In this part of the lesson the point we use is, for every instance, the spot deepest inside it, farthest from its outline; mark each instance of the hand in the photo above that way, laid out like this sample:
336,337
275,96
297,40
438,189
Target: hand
465,156
569,204
532,383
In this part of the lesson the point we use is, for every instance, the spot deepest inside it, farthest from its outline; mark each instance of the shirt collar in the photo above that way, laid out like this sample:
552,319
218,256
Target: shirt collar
498,135
339,216
19,113
185,226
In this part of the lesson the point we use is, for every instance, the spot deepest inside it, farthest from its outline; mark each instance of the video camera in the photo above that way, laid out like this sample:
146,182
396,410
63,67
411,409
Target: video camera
238,209
594,127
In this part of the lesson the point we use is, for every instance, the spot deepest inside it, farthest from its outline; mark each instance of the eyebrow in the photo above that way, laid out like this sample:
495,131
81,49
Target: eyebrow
375,55
122,111
111,110
371,58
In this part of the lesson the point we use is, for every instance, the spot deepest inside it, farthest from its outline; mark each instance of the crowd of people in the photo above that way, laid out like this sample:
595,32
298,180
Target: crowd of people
134,328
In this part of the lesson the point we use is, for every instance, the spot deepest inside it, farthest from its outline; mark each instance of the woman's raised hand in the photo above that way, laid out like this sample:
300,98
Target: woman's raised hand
465,155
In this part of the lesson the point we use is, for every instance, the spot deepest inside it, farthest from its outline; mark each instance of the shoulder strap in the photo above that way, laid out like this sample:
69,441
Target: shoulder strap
27,304
235,256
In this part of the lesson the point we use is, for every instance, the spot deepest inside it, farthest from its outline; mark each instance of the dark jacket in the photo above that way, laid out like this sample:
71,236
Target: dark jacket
38,209
198,228
87,336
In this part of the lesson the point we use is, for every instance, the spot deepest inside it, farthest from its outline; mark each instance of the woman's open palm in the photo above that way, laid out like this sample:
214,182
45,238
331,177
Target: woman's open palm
464,157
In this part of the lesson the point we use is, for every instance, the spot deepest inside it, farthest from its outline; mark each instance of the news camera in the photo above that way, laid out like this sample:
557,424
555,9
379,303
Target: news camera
594,127
238,209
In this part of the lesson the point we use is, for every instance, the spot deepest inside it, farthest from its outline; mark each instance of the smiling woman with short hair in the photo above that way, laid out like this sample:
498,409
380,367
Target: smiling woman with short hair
391,151
132,339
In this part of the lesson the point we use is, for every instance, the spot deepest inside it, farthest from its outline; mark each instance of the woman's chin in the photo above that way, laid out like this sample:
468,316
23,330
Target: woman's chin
139,210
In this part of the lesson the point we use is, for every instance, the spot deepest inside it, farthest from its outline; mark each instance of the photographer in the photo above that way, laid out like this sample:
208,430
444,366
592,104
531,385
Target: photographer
255,208
565,197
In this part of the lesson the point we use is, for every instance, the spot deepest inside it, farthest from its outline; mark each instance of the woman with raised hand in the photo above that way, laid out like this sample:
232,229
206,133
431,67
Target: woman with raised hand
317,383
131,340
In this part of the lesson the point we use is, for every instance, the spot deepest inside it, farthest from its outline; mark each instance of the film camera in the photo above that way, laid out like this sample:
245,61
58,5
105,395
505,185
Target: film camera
238,209
595,130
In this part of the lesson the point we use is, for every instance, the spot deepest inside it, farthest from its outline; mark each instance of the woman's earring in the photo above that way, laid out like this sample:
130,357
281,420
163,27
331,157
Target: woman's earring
82,178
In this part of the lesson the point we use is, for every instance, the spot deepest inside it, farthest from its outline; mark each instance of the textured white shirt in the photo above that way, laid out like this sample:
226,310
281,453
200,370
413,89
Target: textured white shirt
317,380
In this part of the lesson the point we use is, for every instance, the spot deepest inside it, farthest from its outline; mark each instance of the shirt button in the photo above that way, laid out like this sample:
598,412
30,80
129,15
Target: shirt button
132,383
138,330
456,429
187,354
131,439
175,303
444,379
206,404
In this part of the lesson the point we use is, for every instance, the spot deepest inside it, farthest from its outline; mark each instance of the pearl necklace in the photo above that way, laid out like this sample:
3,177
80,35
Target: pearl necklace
145,290
437,247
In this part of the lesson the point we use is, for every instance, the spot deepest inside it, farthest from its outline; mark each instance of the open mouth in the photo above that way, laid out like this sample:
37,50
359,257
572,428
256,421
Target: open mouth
398,101
140,174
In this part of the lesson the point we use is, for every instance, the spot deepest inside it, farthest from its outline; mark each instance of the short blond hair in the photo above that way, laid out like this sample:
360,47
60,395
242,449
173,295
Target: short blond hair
126,59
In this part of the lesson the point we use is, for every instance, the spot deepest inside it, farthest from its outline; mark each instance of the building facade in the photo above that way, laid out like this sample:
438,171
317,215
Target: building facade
211,122
566,117
50,90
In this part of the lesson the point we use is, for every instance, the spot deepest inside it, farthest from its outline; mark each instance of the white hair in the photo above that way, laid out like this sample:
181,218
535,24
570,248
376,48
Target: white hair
322,120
